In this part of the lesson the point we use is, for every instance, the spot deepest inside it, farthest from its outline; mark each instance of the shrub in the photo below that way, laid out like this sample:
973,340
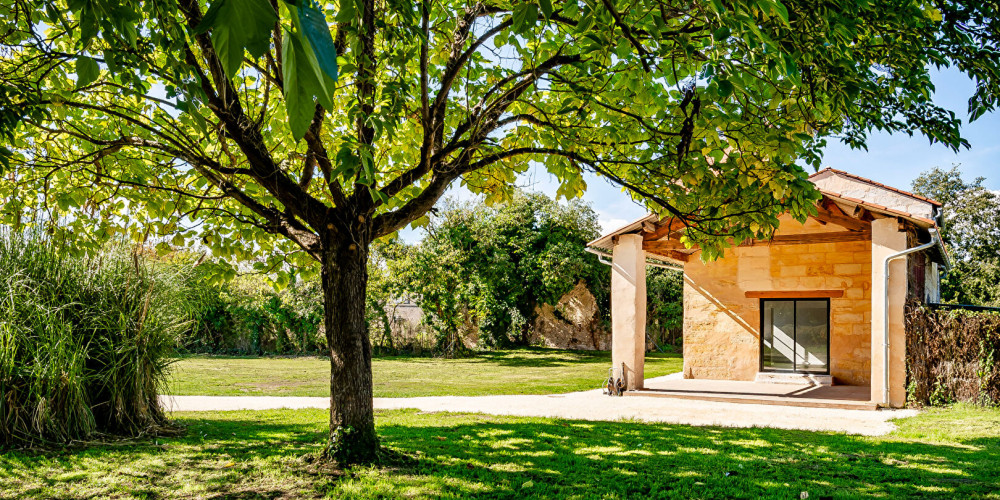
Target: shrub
246,315
489,267
665,309
84,342
951,356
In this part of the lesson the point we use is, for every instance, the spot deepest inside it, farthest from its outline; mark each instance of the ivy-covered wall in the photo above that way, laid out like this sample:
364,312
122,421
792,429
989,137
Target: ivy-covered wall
952,356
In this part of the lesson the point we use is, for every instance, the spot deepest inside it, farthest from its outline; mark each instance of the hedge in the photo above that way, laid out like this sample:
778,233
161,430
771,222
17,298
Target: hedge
951,356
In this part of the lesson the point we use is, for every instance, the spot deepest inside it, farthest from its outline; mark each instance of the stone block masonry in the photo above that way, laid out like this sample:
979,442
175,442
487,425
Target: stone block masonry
722,325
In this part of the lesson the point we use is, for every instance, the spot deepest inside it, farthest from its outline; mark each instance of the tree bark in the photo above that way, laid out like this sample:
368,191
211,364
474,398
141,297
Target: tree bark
352,420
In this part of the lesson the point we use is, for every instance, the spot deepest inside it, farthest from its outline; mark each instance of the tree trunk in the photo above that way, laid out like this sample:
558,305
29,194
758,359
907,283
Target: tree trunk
352,420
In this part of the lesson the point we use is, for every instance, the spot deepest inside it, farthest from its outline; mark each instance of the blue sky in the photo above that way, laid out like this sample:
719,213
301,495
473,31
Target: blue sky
894,160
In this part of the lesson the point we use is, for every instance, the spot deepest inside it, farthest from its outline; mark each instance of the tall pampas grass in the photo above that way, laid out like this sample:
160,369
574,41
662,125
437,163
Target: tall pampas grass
85,342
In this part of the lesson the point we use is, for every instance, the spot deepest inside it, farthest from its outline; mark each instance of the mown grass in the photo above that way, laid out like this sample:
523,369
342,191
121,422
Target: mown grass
524,371
949,453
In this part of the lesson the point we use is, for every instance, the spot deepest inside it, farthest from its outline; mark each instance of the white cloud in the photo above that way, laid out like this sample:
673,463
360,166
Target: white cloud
610,224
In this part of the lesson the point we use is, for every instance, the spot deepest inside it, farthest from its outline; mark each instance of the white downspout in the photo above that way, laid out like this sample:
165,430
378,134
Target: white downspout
935,240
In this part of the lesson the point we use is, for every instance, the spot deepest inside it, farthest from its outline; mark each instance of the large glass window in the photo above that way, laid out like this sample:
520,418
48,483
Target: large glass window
795,335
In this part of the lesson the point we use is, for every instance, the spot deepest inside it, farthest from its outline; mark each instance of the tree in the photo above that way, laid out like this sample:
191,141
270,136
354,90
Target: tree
384,286
494,264
665,306
972,230
164,118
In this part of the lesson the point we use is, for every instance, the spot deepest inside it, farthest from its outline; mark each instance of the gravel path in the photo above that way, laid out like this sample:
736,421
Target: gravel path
590,405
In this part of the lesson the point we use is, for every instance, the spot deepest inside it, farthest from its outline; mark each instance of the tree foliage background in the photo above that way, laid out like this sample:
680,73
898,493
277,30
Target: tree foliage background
479,269
492,265
972,231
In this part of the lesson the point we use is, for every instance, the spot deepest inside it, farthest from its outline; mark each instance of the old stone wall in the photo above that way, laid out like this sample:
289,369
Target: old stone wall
721,325
572,323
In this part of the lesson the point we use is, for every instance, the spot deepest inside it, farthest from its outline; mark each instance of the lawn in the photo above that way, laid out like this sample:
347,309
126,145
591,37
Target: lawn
524,371
948,453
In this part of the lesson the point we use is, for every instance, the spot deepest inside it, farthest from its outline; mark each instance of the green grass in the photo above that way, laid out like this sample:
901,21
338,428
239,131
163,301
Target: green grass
525,371
949,453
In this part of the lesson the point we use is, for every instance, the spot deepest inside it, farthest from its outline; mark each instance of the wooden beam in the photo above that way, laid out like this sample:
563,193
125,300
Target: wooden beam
663,229
800,239
837,216
795,294
863,214
671,254
652,246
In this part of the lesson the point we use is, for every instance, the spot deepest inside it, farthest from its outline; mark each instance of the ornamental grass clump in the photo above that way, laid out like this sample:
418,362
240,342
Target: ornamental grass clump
84,343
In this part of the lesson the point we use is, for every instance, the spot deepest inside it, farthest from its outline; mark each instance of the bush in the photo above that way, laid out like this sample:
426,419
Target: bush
84,342
486,269
951,356
665,309
247,316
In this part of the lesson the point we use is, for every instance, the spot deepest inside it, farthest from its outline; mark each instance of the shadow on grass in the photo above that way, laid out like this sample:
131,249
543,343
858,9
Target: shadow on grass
597,459
258,455
538,357
237,456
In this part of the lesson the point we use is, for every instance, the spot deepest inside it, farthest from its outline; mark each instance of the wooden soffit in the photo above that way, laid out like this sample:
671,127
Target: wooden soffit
799,239
829,212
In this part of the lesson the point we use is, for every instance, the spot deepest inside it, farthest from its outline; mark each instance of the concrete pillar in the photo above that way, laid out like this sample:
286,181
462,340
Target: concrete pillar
628,308
887,239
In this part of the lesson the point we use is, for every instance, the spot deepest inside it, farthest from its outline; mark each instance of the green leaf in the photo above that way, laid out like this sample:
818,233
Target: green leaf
570,8
208,20
722,33
87,71
778,8
348,11
420,222
238,25
525,17
317,31
546,6
725,88
304,80
299,79
5,156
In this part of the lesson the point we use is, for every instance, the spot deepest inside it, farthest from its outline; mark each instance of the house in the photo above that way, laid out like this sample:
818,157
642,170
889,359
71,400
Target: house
813,305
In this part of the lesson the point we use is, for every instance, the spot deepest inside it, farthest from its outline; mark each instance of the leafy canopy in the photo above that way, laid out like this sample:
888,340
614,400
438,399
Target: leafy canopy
232,122
972,231
491,266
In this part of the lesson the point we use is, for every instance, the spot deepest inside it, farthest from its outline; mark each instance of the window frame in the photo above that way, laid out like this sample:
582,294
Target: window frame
760,334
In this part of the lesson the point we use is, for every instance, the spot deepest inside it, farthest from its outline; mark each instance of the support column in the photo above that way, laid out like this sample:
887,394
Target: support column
628,308
887,239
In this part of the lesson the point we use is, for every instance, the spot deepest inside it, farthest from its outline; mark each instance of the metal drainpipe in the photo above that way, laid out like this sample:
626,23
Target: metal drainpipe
935,240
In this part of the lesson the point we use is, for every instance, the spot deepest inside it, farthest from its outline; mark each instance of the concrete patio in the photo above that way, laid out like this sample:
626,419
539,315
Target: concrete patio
846,397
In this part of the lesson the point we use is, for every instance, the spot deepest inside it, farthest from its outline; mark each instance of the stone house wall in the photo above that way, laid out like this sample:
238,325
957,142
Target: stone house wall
722,325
